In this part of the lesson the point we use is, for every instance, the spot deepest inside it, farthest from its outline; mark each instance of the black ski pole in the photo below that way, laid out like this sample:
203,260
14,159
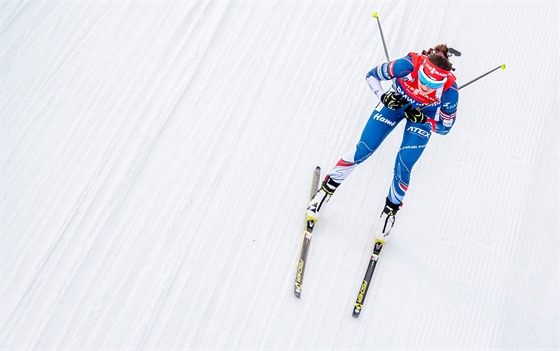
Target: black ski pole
503,66
376,16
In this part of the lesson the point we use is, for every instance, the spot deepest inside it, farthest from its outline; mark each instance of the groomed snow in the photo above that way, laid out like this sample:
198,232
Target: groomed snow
156,158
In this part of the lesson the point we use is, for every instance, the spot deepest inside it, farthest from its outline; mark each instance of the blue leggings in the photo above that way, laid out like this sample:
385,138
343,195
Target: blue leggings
382,122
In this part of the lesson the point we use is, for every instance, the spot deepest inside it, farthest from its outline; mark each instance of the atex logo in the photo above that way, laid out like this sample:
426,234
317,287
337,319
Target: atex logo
423,133
379,117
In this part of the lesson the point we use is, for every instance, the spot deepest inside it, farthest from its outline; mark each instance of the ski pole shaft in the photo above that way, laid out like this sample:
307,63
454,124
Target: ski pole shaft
503,66
433,121
376,16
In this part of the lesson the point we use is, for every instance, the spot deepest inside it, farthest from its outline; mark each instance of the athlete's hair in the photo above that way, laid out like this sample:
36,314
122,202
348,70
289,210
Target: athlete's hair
440,62
438,49
438,55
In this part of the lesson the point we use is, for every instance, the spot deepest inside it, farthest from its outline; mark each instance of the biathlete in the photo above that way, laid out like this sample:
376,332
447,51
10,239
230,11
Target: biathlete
424,85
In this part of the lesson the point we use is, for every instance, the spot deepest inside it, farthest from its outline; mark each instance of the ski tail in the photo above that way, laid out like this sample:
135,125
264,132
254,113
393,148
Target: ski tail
315,182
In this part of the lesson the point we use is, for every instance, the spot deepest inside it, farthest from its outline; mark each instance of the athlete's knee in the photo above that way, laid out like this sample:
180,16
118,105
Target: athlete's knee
402,171
363,151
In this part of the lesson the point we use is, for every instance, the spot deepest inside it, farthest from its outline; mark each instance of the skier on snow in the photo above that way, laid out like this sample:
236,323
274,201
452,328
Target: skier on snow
420,79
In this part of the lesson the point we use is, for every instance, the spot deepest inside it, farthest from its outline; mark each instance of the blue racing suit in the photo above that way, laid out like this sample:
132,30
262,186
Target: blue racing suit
383,120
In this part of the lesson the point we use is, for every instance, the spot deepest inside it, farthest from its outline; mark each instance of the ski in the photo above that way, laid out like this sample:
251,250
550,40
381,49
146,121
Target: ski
367,278
307,235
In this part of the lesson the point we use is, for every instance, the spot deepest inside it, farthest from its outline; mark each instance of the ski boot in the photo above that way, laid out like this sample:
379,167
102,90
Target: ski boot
321,197
387,221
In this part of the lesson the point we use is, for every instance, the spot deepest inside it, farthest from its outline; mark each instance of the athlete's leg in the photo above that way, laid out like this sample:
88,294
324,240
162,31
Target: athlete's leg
379,125
381,122
415,139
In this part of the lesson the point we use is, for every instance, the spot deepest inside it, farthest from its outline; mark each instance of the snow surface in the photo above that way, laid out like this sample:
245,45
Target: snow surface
157,155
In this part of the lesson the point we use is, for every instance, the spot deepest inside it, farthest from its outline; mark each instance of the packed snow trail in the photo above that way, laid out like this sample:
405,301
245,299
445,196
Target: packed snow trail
155,164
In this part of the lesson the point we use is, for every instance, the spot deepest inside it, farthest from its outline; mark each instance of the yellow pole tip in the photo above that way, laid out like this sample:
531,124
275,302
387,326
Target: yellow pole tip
503,66
375,15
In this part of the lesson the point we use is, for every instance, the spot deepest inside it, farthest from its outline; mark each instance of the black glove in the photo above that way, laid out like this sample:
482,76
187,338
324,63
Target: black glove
415,115
393,100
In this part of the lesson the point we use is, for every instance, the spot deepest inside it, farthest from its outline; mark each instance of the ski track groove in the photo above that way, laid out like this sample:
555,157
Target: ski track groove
184,256
42,80
57,243
161,287
47,257
255,225
139,321
224,165
53,157
15,12
159,299
234,266
128,181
